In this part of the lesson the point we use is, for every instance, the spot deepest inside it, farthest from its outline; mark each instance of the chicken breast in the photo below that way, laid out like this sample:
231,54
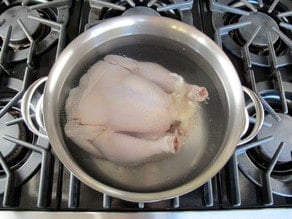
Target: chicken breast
128,111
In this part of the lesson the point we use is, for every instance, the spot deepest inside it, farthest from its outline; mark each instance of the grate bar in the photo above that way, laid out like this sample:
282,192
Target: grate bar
267,187
285,14
62,40
97,4
31,54
261,3
285,38
27,2
226,29
106,201
74,192
59,27
131,2
51,4
141,205
11,103
9,190
273,6
249,5
44,195
55,25
234,190
37,148
6,2
270,110
246,53
4,48
251,75
175,202
17,120
282,92
151,2
208,193
272,53
27,34
243,148
187,5
219,7
246,48
19,95
286,26
32,43
59,184
44,190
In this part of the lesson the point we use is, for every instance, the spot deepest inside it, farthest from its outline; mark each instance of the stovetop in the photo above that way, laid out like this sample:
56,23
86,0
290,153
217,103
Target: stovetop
255,34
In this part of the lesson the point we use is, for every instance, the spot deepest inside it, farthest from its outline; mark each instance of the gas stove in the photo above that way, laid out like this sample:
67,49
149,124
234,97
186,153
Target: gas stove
255,34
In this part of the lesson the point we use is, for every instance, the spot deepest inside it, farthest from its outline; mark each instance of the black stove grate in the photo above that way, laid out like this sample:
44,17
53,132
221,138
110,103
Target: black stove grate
259,32
267,182
176,9
12,189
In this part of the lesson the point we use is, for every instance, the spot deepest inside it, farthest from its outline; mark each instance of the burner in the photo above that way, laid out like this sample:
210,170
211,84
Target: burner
255,161
30,16
140,10
265,22
176,9
143,7
13,153
8,148
265,29
284,133
21,161
10,16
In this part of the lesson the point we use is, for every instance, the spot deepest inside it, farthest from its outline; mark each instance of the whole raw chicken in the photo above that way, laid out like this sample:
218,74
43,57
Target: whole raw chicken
128,111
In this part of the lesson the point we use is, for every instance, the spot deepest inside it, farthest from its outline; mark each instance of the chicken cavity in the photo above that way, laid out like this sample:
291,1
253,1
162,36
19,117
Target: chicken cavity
128,111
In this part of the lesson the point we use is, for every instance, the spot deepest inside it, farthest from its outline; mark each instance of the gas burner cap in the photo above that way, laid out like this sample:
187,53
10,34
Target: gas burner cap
140,10
10,17
265,22
282,132
6,147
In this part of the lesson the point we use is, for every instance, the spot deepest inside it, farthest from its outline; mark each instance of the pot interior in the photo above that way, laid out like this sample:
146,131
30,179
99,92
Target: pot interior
205,143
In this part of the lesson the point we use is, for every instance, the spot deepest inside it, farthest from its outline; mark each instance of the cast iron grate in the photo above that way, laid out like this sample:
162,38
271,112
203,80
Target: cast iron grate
176,9
19,27
257,31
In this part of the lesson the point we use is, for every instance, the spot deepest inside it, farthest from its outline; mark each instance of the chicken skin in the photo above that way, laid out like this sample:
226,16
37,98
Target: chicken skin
127,111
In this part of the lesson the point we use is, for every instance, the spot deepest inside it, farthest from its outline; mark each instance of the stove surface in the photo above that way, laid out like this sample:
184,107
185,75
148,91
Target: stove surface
257,37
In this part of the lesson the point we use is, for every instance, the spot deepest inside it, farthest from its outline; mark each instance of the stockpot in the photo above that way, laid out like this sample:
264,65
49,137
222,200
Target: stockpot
220,122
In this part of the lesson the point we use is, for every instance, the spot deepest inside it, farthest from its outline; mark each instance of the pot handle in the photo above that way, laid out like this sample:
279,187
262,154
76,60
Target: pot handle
26,107
259,110
41,131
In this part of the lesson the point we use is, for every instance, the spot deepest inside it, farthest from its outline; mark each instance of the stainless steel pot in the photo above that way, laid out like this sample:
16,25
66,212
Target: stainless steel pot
180,48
